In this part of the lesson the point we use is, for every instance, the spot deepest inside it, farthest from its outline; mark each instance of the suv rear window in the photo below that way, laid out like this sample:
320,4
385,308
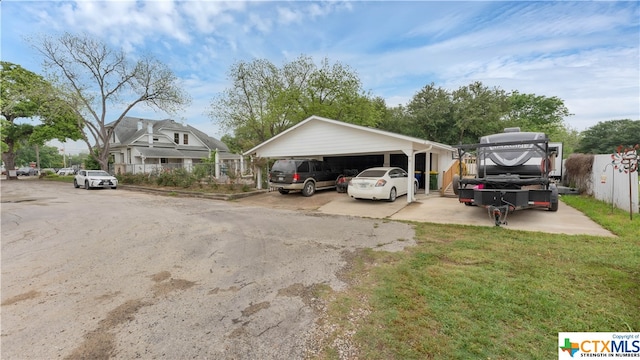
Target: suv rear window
285,166
291,166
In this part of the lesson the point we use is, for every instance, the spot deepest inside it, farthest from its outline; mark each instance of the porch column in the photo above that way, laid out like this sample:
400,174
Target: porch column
258,172
387,159
216,160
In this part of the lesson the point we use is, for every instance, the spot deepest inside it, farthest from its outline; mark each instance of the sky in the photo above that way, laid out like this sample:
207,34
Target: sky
585,53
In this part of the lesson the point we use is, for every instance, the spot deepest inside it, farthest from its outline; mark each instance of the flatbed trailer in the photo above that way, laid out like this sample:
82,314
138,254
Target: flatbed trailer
512,174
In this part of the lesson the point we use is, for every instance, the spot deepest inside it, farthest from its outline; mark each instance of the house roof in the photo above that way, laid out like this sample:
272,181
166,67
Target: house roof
342,134
127,131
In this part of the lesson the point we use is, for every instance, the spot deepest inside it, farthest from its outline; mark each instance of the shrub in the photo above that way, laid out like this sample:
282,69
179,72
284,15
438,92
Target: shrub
578,171
177,178
133,179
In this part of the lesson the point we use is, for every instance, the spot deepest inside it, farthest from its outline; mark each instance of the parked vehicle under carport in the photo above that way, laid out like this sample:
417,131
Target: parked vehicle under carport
305,175
380,183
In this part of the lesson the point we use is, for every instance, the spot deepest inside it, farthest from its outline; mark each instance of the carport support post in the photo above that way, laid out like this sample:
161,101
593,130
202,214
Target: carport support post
411,168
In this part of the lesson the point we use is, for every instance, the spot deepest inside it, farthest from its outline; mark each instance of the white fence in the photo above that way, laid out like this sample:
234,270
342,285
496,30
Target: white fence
612,186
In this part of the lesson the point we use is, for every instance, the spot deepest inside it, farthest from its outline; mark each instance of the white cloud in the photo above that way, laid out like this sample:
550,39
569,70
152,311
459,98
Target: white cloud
586,53
287,16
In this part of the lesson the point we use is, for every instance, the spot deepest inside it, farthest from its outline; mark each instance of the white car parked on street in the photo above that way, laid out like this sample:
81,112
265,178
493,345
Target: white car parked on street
380,183
94,178
66,172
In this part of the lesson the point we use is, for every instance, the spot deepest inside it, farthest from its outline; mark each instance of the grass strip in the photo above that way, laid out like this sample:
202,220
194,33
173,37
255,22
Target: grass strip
469,292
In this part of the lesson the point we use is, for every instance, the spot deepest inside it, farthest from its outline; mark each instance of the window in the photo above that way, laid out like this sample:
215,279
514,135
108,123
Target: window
185,139
163,160
303,167
176,138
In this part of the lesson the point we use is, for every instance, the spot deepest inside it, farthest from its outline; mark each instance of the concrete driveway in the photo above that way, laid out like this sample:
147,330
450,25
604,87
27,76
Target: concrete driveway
443,210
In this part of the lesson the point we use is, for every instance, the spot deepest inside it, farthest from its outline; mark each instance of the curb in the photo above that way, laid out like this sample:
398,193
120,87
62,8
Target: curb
194,194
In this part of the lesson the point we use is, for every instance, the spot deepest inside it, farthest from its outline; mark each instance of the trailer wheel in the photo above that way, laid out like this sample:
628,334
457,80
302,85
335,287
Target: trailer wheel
554,198
456,184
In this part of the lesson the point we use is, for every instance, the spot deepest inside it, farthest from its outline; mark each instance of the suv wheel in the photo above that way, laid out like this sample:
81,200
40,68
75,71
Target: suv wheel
75,183
309,188
86,185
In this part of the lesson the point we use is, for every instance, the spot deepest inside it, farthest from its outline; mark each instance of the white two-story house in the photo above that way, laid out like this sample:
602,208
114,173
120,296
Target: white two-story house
143,145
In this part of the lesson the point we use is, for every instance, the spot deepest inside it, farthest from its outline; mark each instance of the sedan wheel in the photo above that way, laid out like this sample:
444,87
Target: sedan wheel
393,195
86,185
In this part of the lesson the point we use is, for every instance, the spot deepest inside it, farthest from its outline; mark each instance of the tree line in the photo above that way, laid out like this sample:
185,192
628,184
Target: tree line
90,87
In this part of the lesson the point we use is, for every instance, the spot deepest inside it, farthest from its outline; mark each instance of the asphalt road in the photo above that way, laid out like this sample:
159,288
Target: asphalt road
121,274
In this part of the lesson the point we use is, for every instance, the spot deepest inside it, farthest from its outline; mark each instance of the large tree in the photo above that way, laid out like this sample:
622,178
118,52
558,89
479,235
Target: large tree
606,136
49,156
101,81
431,112
25,94
265,100
465,114
537,113
478,110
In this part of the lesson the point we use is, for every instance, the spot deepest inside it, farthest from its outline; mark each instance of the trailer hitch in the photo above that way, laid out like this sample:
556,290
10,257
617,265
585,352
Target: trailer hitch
499,214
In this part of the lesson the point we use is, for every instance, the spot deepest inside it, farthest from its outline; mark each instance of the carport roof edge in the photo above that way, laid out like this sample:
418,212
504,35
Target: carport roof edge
413,140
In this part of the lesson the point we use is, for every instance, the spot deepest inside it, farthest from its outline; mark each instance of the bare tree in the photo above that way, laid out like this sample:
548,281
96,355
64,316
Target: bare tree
100,79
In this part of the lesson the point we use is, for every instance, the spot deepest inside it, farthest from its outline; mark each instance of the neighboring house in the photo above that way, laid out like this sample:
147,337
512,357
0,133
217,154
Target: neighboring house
143,145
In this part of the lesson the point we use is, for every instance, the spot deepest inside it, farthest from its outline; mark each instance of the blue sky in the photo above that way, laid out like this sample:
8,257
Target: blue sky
586,53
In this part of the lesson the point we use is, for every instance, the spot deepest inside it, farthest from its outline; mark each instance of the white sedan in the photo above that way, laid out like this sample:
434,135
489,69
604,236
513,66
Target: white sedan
380,183
94,178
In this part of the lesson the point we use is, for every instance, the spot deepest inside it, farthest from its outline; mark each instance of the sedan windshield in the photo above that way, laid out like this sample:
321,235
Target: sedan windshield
373,173
98,173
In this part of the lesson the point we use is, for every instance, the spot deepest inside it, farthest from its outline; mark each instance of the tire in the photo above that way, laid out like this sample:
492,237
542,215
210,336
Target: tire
393,195
75,184
309,188
86,185
554,198
283,191
456,184
115,187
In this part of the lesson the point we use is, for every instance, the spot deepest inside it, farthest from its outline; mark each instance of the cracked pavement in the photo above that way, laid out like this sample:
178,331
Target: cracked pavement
121,274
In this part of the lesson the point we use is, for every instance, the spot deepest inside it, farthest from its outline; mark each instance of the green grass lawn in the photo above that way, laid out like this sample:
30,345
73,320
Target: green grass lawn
491,293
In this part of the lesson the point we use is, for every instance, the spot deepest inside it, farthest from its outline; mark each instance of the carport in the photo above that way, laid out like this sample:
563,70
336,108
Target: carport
321,138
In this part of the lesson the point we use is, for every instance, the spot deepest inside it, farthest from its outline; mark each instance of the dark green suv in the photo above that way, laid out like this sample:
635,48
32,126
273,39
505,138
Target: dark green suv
306,175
